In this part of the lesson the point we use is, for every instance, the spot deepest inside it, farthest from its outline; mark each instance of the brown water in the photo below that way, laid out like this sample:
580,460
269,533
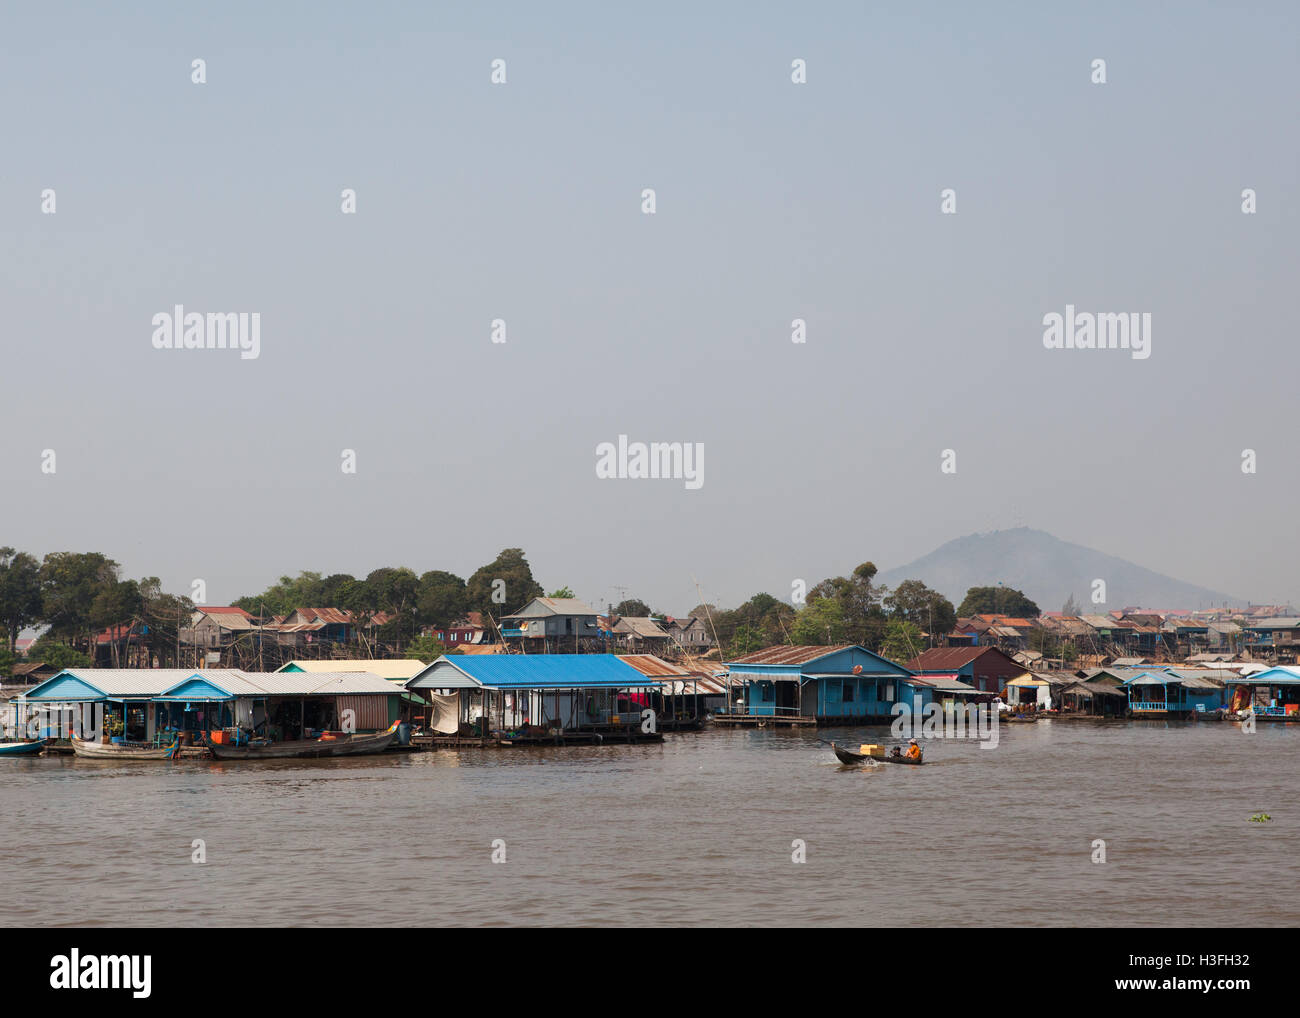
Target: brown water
697,830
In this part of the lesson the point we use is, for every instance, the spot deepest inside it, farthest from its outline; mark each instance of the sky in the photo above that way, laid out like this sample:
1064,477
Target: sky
523,201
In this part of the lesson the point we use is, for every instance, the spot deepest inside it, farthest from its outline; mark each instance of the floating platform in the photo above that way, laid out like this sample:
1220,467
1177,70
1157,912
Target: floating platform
765,721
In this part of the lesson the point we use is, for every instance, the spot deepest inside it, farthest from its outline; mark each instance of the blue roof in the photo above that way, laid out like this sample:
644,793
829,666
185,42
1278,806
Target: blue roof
530,671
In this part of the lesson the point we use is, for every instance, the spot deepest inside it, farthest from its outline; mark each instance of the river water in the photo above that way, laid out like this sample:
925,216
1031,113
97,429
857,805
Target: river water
697,831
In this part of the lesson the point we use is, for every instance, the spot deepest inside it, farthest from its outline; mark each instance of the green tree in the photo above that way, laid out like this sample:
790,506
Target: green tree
902,641
517,584
425,648
20,593
442,599
562,592
163,615
912,601
997,600
632,607
745,640
70,583
860,604
57,655
820,623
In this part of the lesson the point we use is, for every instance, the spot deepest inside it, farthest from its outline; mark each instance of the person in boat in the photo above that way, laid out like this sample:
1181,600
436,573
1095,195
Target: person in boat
913,750
895,752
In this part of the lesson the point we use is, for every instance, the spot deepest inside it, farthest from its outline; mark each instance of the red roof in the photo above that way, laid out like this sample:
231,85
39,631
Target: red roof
943,659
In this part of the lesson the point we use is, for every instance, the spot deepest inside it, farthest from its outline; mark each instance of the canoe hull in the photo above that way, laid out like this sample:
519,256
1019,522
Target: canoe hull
353,745
109,751
22,748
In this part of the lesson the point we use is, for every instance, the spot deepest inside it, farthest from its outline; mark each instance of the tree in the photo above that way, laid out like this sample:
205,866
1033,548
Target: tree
57,655
117,604
745,640
425,648
632,607
516,585
164,614
562,592
70,583
902,641
912,601
20,593
395,589
860,603
1071,607
442,599
997,600
820,623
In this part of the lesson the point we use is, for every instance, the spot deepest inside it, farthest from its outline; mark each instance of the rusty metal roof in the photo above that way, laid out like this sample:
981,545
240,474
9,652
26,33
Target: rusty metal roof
946,659
787,655
649,664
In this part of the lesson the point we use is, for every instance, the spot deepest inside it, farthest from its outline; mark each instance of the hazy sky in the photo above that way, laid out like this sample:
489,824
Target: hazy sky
522,201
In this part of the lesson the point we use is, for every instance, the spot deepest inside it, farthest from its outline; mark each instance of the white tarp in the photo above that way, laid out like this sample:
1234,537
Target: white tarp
444,711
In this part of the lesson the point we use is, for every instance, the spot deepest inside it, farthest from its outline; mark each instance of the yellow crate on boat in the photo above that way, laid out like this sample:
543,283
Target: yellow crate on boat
871,749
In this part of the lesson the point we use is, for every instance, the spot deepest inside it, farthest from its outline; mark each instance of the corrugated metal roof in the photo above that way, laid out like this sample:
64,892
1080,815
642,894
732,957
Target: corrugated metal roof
1283,675
544,607
786,655
644,627
385,668
648,664
320,683
136,682
946,684
944,659
533,671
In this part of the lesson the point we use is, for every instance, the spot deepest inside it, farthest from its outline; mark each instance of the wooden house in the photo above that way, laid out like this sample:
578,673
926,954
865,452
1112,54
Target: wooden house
818,685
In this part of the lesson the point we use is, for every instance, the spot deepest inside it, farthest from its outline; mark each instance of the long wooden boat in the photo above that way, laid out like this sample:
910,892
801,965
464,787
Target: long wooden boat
23,747
123,750
350,745
849,757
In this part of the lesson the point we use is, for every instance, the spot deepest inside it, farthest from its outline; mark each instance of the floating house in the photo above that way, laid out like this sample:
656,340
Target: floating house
1096,699
284,706
155,704
987,669
786,685
516,699
1166,693
1272,694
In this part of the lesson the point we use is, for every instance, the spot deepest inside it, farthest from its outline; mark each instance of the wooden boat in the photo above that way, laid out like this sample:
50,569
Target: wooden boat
847,756
123,750
348,745
23,747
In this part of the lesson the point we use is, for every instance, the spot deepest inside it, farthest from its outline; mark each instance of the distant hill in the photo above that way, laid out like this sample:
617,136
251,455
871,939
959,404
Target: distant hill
1048,570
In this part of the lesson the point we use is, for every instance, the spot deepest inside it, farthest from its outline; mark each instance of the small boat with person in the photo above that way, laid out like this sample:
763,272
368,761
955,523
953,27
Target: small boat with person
876,753
329,744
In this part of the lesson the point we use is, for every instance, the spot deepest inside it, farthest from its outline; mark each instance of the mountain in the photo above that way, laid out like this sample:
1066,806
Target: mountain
1049,571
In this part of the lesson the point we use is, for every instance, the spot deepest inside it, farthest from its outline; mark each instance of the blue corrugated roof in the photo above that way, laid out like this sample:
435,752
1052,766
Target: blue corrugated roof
536,671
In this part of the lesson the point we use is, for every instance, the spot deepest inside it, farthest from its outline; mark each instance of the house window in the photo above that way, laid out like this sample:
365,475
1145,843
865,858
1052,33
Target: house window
848,691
